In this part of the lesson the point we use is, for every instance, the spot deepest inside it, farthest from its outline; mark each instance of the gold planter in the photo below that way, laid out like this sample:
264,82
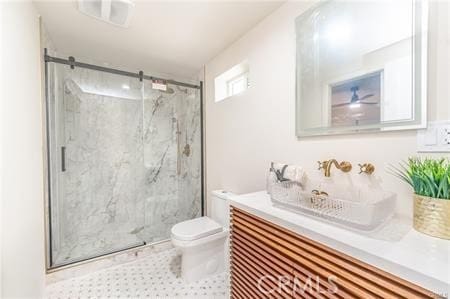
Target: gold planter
432,216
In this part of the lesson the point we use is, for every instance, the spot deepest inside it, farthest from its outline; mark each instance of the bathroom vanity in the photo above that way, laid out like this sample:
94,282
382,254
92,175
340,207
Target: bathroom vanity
276,253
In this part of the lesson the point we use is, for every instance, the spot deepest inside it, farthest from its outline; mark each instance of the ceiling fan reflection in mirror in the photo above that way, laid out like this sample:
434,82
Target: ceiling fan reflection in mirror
355,100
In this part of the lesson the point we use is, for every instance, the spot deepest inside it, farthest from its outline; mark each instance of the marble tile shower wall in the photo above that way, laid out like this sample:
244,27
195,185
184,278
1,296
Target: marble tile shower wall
128,178
171,123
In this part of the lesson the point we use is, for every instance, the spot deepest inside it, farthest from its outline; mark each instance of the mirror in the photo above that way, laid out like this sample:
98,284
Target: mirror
361,66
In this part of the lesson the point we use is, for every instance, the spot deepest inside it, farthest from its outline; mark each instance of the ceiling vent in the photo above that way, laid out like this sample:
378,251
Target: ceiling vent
117,12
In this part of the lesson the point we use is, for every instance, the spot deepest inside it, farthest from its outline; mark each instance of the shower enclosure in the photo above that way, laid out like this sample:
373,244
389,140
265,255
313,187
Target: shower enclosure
124,159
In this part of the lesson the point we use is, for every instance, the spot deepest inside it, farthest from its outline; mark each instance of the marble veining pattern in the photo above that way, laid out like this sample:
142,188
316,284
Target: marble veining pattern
127,180
174,191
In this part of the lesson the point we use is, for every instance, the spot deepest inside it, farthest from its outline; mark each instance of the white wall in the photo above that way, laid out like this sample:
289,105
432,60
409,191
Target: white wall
22,209
246,132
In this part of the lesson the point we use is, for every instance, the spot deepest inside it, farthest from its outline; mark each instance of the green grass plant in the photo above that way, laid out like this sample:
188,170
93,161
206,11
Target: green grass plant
428,177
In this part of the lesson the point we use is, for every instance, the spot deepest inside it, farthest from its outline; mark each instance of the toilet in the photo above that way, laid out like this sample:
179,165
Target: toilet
203,241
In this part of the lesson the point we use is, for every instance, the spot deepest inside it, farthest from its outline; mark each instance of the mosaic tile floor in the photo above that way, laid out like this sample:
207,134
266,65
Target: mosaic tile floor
155,276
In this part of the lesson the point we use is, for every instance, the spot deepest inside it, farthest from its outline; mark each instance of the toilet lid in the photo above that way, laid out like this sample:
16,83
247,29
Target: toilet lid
196,228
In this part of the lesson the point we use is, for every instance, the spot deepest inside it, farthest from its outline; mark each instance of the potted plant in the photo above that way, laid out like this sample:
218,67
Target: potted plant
430,180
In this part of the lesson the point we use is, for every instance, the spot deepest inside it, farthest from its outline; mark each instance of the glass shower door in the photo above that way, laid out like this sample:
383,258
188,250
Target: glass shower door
172,158
125,161
97,170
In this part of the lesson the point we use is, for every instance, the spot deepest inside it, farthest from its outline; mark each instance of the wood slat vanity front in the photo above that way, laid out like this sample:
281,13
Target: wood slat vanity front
269,261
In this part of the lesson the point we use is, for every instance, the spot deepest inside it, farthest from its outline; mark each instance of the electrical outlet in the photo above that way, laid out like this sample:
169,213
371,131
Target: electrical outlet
446,135
435,138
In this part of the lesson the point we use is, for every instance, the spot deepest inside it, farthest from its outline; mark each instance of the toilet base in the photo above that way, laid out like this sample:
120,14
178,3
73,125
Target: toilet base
198,263
203,260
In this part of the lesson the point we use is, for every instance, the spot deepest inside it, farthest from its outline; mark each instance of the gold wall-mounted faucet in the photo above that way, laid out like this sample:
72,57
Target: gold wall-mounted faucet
344,166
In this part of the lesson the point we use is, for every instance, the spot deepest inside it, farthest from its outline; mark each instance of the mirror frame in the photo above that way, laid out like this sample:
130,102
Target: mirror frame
420,73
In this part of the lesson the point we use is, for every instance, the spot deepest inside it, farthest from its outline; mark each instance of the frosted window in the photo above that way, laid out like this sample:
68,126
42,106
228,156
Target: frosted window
232,82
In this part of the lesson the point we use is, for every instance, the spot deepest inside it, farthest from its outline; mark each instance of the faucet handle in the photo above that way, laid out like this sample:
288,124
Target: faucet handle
322,165
345,166
366,168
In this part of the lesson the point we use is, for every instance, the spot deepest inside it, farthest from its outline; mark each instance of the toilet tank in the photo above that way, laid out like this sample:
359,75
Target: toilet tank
220,207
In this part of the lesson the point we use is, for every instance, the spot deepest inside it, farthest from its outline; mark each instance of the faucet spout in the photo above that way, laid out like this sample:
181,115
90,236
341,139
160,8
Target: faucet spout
344,166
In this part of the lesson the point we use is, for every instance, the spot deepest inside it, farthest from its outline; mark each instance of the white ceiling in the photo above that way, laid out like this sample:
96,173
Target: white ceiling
164,37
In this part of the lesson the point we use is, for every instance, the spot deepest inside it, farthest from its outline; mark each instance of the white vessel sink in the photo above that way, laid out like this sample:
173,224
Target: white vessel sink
349,206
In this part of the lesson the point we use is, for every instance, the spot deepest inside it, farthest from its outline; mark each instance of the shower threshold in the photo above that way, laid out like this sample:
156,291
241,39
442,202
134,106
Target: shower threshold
132,250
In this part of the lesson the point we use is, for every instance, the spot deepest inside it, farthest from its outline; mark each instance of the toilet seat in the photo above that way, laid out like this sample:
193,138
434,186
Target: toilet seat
195,229
200,242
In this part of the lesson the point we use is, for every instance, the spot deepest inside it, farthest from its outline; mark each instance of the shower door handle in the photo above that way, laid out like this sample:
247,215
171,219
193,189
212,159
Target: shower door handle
63,158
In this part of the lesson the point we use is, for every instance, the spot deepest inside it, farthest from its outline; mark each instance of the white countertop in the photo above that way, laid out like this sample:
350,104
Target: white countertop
396,247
